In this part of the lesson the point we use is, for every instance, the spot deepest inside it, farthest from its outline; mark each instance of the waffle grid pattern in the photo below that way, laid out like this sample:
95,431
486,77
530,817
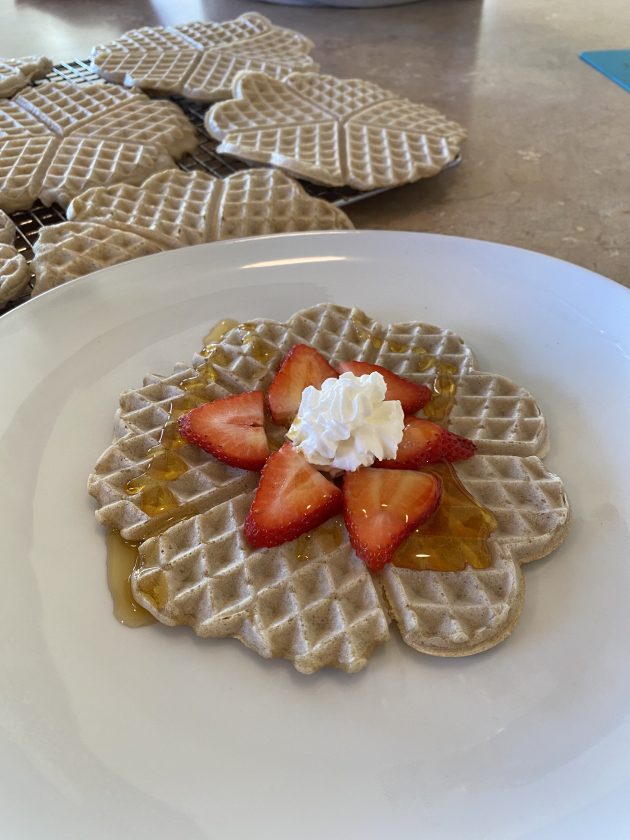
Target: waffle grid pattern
454,613
200,59
84,162
316,612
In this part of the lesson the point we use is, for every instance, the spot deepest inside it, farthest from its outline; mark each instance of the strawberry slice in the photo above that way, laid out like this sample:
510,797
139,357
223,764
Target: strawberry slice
412,397
302,366
292,497
381,508
232,429
424,442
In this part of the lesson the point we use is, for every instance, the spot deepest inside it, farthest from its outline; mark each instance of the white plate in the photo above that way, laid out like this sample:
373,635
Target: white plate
111,732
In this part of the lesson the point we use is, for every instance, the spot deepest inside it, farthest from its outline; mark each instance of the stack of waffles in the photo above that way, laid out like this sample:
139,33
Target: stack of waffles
313,601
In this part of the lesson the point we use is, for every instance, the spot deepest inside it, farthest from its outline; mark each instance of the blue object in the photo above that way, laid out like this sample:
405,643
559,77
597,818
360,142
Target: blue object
615,64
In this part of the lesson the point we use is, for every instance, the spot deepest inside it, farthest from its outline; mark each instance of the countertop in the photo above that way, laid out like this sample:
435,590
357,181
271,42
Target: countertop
546,163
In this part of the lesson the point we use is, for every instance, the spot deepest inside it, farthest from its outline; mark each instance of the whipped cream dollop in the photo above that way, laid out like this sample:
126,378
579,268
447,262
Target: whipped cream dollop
347,423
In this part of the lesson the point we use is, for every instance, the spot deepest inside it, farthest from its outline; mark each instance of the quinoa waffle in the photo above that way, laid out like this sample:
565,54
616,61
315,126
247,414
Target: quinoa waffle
171,209
311,600
63,107
16,122
58,139
188,208
200,60
24,161
83,162
146,121
339,132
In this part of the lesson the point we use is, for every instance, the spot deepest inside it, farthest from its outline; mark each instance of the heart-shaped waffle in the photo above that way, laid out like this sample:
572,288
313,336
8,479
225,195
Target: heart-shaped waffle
200,60
172,209
333,131
312,600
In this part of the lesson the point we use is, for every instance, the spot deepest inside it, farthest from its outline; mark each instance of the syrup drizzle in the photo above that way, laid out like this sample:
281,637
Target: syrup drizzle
456,535
165,465
121,559
328,537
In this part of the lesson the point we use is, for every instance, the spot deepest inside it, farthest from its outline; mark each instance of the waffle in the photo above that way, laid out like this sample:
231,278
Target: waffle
160,70
339,132
63,107
16,73
7,229
263,201
311,600
188,208
14,274
23,164
176,206
200,60
83,162
146,121
16,122
71,249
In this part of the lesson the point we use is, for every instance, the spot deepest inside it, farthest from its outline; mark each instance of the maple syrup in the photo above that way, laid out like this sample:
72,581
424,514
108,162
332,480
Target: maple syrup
363,334
218,331
456,535
329,535
155,497
152,585
121,560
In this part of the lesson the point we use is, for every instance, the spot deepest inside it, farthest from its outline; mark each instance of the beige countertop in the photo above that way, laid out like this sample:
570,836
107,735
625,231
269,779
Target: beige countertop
547,162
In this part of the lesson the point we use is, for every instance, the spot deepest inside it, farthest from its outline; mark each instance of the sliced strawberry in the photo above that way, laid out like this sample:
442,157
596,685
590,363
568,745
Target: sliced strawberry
292,497
412,397
424,442
302,366
381,508
232,429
